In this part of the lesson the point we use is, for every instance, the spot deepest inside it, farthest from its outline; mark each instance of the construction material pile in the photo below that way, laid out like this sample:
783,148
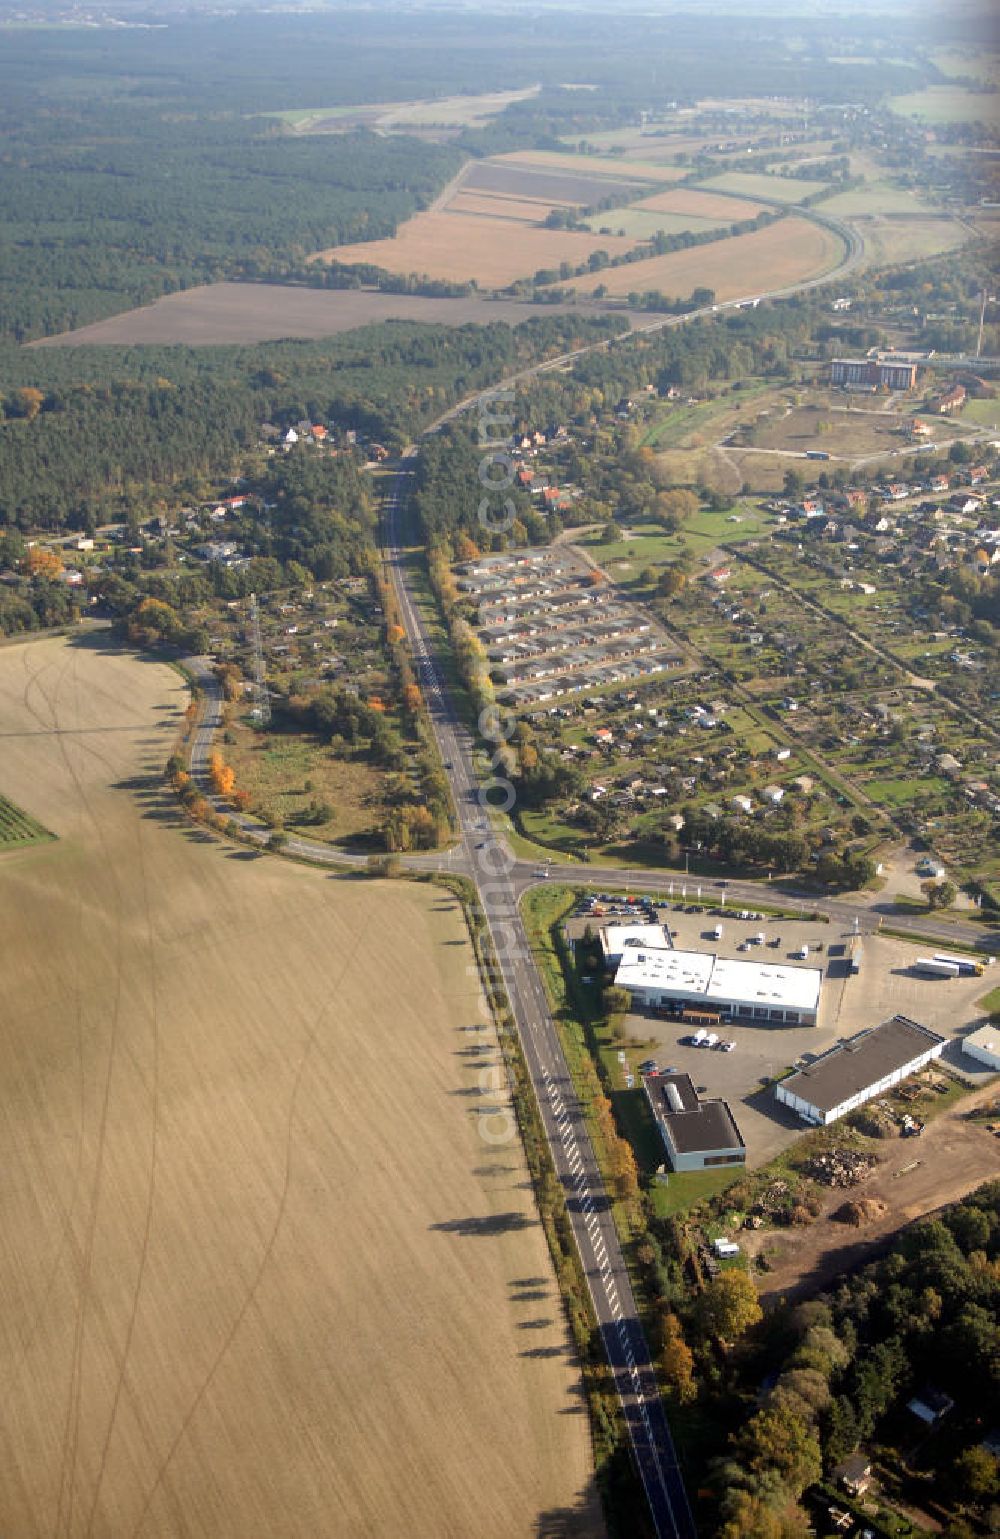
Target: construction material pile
840,1167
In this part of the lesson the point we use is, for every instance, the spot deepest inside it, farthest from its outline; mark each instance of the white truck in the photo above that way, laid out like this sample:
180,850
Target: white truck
932,968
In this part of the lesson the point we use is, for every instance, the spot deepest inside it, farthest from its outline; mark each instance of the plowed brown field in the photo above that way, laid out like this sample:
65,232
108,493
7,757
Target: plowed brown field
262,1276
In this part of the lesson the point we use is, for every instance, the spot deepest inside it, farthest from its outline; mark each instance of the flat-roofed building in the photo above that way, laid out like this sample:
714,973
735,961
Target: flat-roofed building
873,373
984,1045
617,938
853,1071
730,989
698,1135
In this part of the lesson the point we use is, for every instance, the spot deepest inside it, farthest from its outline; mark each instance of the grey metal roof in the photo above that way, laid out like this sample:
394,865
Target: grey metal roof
860,1061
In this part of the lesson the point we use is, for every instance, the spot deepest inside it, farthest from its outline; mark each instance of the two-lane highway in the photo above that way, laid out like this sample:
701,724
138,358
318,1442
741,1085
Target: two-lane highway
488,860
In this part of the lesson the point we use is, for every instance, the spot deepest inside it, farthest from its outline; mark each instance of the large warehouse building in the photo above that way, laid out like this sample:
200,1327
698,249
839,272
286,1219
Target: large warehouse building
720,987
698,1135
859,1068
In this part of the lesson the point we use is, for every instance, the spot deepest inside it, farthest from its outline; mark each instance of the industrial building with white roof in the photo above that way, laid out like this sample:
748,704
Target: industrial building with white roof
721,986
616,938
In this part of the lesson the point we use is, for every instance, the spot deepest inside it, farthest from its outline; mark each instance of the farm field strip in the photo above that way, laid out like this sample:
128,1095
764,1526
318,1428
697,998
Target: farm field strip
779,189
780,254
553,183
18,828
644,224
460,247
220,313
502,206
591,165
248,1285
706,205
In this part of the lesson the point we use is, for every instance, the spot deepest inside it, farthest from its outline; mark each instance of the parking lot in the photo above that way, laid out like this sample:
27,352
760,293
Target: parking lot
885,986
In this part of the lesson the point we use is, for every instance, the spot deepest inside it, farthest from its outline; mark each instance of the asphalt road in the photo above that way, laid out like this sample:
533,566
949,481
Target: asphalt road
486,858
501,880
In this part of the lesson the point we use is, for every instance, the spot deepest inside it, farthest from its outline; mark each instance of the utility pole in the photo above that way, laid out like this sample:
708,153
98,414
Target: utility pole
261,700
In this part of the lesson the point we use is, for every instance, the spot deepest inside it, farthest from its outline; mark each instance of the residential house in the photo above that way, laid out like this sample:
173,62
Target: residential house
854,1474
948,401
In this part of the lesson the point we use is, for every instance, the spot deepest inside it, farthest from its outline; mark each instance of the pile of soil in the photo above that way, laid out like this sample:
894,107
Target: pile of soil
860,1210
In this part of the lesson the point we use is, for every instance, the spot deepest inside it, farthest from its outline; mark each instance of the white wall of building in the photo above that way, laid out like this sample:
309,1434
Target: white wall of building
984,1046
806,1109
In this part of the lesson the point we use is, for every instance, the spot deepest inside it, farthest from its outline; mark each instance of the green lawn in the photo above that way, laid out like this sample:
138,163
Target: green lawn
780,189
17,829
900,791
876,198
946,104
983,413
649,545
644,223
990,1002
688,1187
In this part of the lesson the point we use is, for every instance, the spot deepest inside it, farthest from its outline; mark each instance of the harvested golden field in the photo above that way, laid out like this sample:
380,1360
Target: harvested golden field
783,253
263,1277
704,205
502,206
461,247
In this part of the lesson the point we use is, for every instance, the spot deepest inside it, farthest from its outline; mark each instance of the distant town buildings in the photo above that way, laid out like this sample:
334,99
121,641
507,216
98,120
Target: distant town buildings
872,374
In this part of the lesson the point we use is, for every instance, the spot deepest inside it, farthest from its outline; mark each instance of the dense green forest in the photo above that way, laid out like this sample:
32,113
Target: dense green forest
91,431
103,209
137,161
839,1371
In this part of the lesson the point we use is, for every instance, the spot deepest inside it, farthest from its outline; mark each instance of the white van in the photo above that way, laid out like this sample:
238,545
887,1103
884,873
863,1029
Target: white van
711,1039
717,932
802,953
699,1037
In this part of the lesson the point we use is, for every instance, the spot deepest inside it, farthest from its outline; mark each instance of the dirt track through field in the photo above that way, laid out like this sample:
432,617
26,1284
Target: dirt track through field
262,1275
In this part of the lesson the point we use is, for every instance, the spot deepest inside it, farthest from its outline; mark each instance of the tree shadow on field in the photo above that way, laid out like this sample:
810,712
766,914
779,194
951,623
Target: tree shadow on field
492,1224
155,802
579,1521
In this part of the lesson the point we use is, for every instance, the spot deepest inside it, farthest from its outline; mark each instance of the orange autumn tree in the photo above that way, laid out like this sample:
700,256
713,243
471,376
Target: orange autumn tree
221,774
44,563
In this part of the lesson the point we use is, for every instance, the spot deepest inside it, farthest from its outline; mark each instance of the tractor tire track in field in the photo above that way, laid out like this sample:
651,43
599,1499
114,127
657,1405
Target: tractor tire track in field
251,1293
84,1259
